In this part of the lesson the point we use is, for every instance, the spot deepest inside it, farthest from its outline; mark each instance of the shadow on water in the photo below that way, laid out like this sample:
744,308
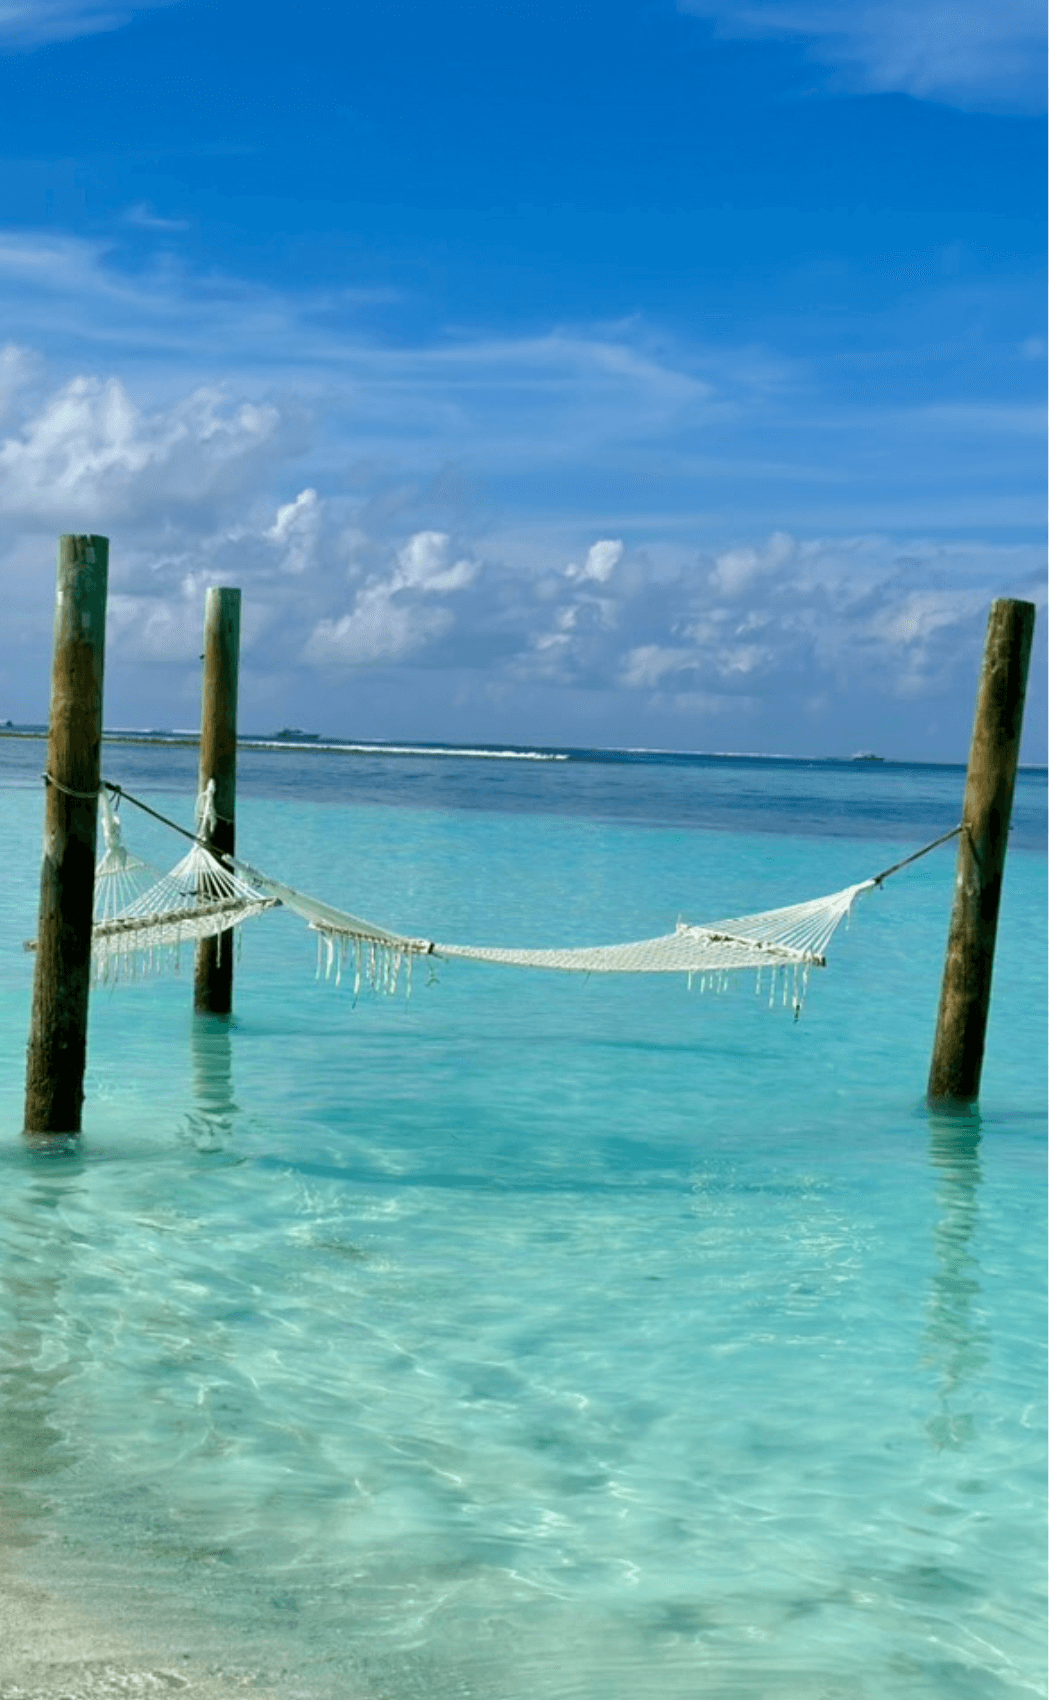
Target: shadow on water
956,1342
209,1124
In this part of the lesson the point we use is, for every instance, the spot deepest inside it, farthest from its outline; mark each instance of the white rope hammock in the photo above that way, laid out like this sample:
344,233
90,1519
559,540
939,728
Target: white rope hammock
198,899
793,939
142,918
139,926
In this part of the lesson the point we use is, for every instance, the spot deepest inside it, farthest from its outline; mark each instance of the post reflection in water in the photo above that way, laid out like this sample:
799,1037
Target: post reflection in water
209,1124
956,1340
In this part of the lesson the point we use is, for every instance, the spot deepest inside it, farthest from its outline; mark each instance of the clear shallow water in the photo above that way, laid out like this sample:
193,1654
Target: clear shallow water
542,1337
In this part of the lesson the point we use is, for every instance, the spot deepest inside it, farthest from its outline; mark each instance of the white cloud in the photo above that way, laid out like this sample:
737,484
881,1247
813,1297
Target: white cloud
735,570
17,367
294,516
389,621
349,489
88,447
30,23
156,629
532,402
647,666
743,658
921,615
423,565
296,528
601,562
630,428
962,52
141,216
377,630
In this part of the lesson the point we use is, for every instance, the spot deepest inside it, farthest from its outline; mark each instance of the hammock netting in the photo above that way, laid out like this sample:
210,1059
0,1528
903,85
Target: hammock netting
793,939
142,920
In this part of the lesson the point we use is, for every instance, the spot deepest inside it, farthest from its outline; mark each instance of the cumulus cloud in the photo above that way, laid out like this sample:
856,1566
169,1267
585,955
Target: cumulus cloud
423,565
573,635
376,630
961,52
361,564
88,448
294,516
295,529
735,570
390,620
792,618
601,562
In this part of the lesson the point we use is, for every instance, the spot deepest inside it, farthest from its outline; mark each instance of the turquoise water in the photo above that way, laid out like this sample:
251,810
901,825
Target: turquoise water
543,1337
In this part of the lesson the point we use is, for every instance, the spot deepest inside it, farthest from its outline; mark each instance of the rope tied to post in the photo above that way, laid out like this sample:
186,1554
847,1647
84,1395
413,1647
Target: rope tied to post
67,790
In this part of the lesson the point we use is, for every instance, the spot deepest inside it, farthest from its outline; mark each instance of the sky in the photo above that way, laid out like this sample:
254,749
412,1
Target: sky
662,373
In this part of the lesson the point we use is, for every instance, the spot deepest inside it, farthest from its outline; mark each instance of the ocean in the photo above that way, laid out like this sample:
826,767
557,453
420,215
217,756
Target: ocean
535,1337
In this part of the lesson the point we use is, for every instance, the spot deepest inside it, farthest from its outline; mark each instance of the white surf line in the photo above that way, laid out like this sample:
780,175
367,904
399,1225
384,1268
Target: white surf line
187,740
404,750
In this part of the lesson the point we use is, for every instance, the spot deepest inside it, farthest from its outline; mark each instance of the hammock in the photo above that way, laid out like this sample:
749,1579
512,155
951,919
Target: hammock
141,918
198,899
135,929
793,940
786,943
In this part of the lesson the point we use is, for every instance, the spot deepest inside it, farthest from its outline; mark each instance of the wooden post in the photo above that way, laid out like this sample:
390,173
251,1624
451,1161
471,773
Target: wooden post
957,1057
213,980
58,1030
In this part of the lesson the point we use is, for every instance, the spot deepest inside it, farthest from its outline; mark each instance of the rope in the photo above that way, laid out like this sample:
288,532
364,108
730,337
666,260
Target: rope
924,851
164,819
67,791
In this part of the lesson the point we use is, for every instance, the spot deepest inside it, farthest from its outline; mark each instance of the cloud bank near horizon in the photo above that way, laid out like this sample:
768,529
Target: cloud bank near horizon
398,610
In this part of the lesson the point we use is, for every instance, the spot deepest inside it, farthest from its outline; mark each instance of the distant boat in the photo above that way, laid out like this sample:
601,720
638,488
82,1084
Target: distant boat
866,755
295,735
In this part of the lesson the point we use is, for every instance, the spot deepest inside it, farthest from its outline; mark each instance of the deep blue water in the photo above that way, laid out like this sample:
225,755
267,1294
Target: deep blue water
543,1337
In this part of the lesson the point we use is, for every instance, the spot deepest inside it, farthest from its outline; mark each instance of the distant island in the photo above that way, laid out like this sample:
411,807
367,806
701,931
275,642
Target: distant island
295,735
866,755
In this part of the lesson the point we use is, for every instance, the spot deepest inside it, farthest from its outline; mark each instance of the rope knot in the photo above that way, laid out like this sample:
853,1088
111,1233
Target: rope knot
206,815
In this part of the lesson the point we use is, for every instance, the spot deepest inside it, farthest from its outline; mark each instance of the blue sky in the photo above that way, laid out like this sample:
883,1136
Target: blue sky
648,374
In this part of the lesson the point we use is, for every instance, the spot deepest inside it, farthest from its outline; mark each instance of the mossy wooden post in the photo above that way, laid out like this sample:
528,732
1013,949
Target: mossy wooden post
58,1029
213,979
957,1057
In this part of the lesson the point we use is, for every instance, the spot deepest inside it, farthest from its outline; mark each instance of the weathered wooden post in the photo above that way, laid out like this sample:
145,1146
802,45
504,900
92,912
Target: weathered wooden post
213,980
58,1029
957,1057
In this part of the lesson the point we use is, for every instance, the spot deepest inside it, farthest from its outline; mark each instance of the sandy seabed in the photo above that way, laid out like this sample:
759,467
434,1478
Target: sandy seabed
52,1650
